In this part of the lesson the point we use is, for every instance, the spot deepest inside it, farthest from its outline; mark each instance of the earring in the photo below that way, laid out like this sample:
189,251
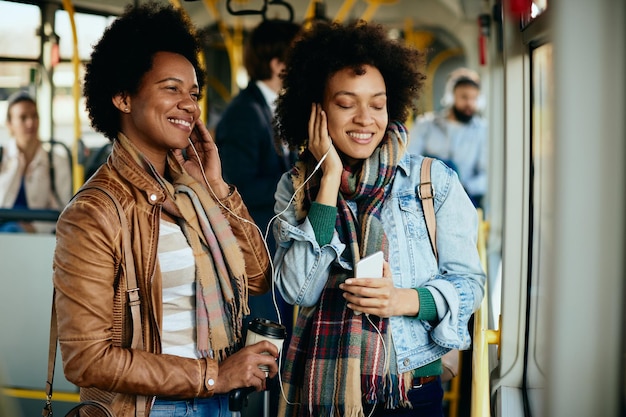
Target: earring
126,110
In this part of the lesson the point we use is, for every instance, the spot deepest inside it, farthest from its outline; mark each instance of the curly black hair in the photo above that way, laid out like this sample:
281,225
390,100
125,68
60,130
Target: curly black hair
319,53
125,53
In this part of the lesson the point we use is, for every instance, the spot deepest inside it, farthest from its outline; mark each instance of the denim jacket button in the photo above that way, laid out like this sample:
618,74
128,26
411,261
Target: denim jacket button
406,362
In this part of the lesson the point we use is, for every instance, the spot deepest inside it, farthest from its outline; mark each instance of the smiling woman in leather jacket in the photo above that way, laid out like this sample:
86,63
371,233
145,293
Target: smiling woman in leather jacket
347,92
196,251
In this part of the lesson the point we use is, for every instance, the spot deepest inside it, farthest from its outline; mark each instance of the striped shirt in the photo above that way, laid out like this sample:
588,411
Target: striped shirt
178,334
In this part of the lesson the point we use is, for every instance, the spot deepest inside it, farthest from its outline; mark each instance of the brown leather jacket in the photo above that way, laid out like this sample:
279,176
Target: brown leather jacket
94,320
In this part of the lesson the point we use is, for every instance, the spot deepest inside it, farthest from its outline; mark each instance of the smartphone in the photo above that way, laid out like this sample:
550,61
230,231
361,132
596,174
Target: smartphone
370,267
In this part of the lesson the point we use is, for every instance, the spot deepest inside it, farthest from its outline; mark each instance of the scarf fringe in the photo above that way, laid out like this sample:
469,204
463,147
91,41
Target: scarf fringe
392,390
222,354
371,391
333,411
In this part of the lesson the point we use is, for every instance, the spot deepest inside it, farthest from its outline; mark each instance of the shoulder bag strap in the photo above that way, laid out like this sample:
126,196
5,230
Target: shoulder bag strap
132,289
426,193
449,361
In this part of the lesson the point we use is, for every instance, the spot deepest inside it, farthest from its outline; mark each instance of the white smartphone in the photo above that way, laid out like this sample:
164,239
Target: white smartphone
370,267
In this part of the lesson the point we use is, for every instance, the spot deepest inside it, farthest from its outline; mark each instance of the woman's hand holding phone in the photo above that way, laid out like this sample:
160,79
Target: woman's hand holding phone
378,296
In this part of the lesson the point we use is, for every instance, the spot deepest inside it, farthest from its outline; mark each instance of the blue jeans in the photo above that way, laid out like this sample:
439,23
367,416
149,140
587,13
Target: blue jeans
11,227
216,406
427,401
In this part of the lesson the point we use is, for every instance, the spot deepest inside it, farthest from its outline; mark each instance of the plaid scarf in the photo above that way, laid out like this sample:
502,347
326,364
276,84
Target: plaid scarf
336,360
221,281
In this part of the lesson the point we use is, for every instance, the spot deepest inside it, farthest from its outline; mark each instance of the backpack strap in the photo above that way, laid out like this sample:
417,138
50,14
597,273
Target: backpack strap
426,194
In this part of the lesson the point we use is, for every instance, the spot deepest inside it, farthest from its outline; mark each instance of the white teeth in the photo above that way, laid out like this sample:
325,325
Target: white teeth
361,136
180,122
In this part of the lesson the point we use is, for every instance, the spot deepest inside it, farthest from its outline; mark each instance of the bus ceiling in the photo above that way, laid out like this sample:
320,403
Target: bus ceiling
389,12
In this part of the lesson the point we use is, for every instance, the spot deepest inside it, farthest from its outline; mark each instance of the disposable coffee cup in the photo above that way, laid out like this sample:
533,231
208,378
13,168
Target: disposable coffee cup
263,329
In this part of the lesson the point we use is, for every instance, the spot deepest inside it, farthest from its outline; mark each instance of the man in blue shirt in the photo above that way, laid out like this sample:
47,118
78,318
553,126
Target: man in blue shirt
457,134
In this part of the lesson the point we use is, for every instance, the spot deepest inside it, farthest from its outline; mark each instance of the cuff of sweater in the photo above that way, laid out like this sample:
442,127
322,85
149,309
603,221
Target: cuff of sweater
428,309
322,218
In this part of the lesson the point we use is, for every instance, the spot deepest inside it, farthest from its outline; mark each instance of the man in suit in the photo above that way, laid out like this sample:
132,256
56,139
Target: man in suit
245,134
245,139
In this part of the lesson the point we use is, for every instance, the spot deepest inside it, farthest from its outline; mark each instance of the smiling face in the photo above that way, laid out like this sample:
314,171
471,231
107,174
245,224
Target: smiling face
356,107
162,114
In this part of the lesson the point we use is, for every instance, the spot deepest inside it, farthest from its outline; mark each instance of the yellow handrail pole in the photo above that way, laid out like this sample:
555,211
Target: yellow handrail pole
40,394
373,5
420,40
344,10
233,43
480,364
77,169
235,54
432,69
480,397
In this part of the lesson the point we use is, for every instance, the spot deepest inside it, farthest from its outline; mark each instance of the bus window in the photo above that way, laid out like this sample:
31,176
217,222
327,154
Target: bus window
19,24
89,29
18,41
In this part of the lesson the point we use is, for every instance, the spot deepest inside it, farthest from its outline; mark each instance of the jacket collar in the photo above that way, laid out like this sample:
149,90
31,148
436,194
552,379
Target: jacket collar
129,168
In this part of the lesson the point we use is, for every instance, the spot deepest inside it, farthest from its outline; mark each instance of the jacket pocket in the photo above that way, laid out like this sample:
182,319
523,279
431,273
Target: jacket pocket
412,217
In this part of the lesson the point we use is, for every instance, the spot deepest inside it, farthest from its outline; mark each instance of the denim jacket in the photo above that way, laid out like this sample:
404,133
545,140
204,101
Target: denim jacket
456,281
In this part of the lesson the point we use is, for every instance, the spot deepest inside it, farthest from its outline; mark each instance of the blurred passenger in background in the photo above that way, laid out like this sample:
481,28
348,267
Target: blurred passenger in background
245,134
457,134
250,159
30,176
245,138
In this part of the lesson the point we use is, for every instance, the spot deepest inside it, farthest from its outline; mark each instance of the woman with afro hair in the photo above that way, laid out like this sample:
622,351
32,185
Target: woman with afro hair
348,89
196,250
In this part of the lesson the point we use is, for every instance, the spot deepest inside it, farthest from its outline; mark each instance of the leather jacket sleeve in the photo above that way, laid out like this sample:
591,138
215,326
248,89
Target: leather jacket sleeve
251,243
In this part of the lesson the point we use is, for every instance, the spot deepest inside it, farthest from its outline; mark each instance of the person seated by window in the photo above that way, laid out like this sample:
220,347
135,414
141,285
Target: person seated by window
30,176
